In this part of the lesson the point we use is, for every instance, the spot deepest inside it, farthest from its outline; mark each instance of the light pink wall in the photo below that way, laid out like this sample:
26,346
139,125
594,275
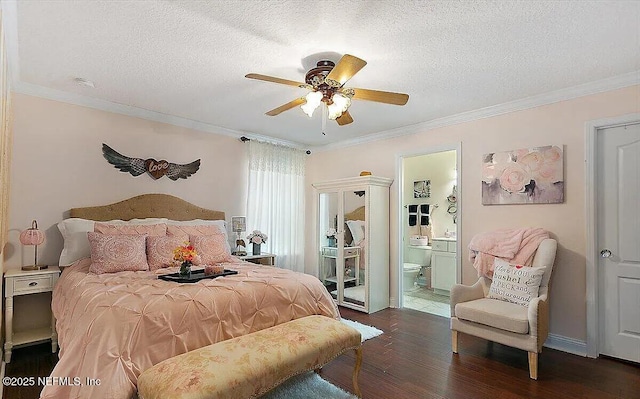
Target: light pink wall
562,122
58,165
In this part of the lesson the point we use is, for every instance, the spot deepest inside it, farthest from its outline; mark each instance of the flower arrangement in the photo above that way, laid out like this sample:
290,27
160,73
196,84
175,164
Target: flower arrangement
185,255
257,237
331,235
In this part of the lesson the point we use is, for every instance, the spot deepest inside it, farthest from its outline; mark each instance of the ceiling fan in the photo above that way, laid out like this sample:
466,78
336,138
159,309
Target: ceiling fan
326,82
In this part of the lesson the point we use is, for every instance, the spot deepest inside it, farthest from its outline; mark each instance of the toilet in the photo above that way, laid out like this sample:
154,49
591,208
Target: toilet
417,257
410,273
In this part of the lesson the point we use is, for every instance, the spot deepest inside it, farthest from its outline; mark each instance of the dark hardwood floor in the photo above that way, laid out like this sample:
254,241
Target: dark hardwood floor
413,359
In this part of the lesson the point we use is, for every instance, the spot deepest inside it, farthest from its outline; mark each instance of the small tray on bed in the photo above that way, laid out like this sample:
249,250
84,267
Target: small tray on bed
195,276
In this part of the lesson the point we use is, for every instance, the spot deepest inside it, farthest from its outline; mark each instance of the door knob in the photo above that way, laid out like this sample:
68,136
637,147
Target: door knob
605,253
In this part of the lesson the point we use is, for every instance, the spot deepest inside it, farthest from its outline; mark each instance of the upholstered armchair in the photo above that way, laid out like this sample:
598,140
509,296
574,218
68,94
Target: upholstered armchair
504,322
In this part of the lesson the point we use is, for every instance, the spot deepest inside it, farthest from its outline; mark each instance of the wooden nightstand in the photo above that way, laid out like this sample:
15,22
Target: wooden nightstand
20,282
262,259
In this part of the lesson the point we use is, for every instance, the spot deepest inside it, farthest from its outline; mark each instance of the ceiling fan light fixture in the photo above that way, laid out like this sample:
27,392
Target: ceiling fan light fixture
340,104
314,99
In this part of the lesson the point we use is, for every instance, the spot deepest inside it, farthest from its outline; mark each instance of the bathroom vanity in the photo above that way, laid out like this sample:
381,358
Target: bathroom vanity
443,264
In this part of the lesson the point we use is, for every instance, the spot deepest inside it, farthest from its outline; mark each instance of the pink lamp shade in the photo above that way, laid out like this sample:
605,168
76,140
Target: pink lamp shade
32,236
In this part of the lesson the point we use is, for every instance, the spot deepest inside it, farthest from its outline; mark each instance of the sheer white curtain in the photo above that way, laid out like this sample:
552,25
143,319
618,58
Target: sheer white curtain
275,201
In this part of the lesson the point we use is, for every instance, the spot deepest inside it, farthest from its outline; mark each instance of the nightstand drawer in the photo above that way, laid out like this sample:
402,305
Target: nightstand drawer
350,252
330,251
30,284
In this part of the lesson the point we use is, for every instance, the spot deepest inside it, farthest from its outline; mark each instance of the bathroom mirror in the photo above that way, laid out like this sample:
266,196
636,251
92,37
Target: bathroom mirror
354,241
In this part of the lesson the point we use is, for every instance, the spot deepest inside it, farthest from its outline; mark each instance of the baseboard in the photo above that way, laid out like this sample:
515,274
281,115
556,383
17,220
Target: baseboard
565,344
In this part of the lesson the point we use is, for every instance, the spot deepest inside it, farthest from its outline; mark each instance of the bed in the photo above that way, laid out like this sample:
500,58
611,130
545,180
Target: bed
113,326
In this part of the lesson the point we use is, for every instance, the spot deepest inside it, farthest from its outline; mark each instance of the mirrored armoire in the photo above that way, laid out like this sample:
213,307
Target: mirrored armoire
353,241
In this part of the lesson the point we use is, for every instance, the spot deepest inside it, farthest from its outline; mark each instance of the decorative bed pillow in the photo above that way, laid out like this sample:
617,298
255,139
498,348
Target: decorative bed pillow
196,230
356,227
211,248
74,232
76,245
515,283
199,227
117,253
152,230
160,250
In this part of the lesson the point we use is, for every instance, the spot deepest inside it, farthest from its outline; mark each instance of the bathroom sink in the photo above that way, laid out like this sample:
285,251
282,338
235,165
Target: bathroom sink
418,240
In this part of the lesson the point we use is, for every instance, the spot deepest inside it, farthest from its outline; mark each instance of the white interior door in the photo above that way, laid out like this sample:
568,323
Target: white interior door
618,207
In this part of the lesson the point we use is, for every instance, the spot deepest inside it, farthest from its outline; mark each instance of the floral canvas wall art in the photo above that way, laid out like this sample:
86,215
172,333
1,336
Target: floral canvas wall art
525,176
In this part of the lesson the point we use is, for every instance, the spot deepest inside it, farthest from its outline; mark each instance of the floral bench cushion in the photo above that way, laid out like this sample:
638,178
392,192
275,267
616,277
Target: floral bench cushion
252,364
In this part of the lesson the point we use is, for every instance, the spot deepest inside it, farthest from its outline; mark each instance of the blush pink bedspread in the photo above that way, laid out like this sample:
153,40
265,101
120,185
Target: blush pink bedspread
115,326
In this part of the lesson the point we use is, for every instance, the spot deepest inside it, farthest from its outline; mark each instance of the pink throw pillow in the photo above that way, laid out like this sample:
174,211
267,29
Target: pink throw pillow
211,248
151,230
198,230
160,250
117,253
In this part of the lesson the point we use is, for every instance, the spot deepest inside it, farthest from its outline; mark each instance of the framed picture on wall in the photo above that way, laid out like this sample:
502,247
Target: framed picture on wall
422,189
523,176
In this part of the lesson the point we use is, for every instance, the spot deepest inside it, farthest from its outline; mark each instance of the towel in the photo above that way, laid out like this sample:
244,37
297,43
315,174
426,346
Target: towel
413,215
513,245
424,214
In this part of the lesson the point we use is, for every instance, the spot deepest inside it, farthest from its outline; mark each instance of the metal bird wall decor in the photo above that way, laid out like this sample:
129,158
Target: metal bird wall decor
157,169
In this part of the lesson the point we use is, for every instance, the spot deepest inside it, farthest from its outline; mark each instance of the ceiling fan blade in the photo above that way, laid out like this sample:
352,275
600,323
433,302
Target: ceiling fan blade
287,106
346,68
344,119
266,78
381,96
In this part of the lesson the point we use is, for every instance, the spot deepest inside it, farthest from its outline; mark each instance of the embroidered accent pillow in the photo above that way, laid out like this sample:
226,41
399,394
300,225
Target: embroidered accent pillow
515,283
159,229
160,250
198,227
117,253
211,248
196,230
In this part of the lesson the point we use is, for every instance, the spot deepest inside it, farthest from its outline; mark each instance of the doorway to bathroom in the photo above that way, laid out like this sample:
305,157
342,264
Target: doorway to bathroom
428,229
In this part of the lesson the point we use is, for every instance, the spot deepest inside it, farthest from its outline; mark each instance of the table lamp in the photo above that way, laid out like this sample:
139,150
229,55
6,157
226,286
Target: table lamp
33,236
238,225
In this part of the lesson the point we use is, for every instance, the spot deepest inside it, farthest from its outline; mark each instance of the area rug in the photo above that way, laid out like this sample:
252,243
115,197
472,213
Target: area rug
366,331
311,385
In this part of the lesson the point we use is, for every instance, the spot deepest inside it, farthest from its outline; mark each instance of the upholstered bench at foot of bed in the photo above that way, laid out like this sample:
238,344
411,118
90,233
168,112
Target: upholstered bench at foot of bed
249,366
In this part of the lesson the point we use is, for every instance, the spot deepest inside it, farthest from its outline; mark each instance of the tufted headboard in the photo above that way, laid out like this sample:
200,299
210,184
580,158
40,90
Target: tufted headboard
147,206
356,214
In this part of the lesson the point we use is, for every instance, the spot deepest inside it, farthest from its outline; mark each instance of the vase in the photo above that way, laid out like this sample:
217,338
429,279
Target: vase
185,269
333,242
256,249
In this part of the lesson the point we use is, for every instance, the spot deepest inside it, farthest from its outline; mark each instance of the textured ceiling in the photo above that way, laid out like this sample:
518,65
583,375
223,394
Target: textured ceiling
188,58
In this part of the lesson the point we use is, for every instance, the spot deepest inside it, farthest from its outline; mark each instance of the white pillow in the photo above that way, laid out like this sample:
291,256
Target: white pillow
76,244
514,283
74,232
357,231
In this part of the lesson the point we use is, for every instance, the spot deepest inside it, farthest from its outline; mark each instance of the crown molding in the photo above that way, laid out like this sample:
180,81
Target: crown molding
109,106
599,86
357,180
